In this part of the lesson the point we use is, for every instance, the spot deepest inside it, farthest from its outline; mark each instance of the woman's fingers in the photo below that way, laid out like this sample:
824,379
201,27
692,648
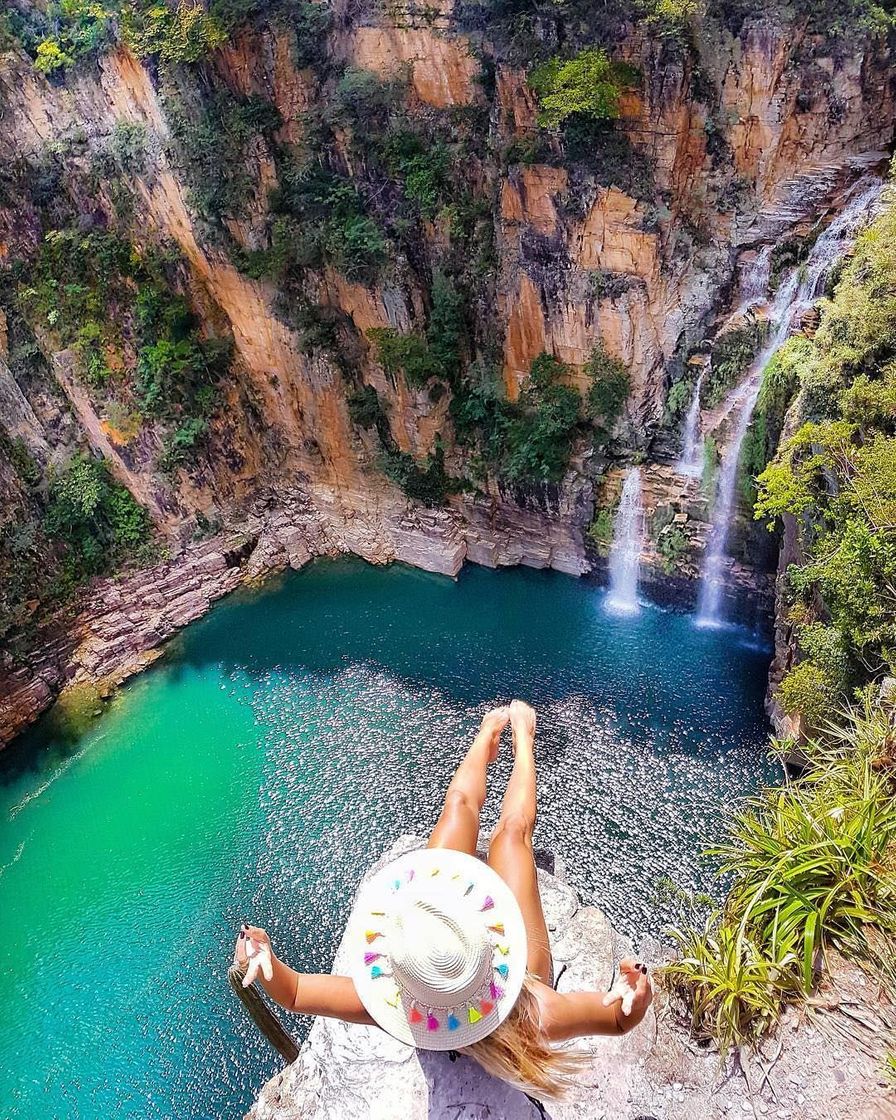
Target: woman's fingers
251,972
239,949
258,956
631,984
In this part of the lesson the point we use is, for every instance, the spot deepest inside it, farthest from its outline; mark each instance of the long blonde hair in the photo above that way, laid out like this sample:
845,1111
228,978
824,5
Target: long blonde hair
518,1052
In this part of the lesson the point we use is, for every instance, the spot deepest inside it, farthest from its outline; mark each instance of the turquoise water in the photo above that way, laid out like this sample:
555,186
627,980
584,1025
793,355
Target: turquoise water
287,739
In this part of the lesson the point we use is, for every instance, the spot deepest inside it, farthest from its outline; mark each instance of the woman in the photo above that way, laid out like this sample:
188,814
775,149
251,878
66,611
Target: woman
450,954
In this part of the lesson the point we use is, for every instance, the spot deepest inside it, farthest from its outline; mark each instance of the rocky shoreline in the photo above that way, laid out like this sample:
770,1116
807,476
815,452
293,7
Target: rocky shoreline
124,622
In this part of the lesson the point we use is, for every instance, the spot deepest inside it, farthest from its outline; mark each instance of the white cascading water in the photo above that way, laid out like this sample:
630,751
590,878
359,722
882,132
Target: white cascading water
753,289
628,542
794,296
691,462
755,278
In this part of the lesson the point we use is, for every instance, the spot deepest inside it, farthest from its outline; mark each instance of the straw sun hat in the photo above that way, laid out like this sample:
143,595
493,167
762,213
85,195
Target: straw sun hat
437,947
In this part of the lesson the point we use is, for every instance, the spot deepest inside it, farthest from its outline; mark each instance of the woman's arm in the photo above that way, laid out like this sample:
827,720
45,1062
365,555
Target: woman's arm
573,1014
306,994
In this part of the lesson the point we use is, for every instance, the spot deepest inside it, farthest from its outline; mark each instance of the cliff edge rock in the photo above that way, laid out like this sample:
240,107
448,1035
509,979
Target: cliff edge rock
347,1072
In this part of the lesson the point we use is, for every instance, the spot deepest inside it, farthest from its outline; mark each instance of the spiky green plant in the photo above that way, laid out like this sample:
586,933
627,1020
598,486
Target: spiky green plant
812,867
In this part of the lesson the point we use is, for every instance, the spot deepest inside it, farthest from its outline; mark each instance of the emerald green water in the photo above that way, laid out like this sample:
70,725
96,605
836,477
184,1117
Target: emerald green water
287,739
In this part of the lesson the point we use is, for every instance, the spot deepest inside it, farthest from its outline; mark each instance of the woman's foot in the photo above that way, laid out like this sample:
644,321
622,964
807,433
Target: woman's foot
522,721
493,723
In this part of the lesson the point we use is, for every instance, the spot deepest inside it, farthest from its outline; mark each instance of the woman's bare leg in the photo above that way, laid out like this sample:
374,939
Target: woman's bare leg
458,825
511,853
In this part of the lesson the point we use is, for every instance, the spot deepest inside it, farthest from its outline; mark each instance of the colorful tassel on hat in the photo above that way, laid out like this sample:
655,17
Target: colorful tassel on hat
488,904
473,1015
371,935
375,972
498,927
495,990
369,958
410,875
393,1002
503,949
432,1023
453,1024
486,1007
415,1016
469,888
503,970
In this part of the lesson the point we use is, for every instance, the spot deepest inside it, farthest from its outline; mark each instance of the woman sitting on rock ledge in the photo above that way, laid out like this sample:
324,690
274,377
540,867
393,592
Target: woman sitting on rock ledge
450,953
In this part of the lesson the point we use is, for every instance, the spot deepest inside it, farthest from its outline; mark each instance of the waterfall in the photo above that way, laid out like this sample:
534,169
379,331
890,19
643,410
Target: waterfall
628,541
691,461
754,279
794,296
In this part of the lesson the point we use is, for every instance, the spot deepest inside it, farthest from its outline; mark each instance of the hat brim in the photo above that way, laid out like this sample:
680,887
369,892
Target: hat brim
388,1005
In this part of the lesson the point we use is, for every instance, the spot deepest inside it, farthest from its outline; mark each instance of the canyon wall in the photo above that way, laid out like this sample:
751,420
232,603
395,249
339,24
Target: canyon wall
631,240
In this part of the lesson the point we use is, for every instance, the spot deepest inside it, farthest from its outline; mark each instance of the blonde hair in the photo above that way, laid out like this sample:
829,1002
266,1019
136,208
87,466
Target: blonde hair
518,1052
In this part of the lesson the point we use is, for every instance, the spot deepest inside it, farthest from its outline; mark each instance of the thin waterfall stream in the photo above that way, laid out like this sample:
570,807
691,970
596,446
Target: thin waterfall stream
625,553
795,294
753,289
691,462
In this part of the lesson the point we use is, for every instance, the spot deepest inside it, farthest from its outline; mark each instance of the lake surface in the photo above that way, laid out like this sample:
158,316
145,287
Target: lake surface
286,740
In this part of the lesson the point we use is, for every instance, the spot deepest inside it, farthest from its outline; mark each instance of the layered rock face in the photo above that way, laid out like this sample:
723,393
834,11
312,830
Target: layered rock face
631,241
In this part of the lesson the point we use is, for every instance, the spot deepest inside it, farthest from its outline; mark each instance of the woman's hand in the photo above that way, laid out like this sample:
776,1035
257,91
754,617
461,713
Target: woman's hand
253,949
631,995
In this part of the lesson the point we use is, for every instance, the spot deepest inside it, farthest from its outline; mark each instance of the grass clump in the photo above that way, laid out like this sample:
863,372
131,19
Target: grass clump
813,869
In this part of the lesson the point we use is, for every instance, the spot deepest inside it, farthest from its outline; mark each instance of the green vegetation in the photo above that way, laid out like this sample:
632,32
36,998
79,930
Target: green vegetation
672,546
600,531
780,379
732,355
366,409
403,354
322,220
836,475
136,339
678,399
609,389
813,868
417,357
95,519
67,32
537,438
213,151
530,440
173,32
427,482
308,22
589,84
77,524
787,255
671,19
